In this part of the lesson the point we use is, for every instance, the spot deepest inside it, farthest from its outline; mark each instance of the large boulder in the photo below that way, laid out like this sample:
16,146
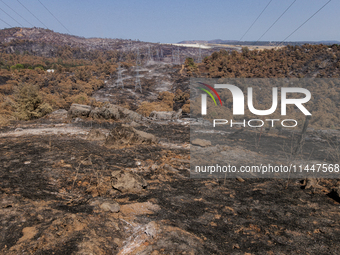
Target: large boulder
109,111
95,113
127,135
128,114
163,115
79,110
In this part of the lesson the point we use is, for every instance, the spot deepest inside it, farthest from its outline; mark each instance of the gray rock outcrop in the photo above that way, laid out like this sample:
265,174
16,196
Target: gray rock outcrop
79,110
109,111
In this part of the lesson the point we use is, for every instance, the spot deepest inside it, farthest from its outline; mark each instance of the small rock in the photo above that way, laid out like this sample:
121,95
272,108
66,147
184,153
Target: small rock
27,162
201,142
39,217
154,167
110,207
127,182
18,130
236,246
151,229
240,179
76,120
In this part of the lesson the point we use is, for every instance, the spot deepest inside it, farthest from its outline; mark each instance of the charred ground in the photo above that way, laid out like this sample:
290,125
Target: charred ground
52,185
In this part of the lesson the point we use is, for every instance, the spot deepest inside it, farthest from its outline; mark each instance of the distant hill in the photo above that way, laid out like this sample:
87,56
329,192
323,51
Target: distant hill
262,43
46,36
47,43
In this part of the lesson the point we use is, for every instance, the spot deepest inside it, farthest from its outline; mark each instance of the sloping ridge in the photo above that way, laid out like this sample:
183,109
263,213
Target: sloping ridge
41,35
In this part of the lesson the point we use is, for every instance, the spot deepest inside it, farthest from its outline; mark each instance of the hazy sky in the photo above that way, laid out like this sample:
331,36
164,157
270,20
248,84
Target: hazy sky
176,20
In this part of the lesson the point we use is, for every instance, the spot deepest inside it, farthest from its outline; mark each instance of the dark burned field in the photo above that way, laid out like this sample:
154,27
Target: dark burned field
53,187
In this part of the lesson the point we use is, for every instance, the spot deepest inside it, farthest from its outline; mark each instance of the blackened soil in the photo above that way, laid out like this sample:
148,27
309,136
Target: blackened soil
48,183
170,132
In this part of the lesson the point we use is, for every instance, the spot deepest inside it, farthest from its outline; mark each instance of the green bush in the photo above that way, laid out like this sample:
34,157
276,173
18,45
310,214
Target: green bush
17,66
190,62
29,103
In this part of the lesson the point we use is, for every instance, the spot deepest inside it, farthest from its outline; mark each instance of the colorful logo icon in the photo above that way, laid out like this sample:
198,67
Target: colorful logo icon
209,93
